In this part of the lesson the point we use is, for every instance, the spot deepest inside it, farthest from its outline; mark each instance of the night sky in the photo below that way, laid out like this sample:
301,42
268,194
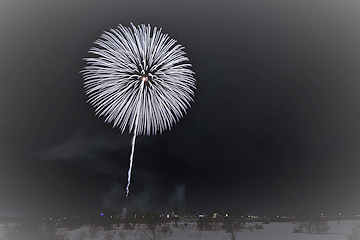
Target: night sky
273,129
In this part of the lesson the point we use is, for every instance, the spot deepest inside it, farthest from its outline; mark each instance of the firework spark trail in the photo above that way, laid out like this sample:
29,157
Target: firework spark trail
134,138
130,165
140,80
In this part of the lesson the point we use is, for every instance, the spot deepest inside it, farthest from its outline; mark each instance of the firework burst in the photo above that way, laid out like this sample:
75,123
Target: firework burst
140,79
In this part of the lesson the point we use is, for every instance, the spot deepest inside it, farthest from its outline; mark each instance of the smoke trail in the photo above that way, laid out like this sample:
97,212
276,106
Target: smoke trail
124,212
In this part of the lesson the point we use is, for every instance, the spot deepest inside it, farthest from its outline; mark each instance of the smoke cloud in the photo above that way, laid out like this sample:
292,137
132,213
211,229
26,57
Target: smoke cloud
114,198
95,151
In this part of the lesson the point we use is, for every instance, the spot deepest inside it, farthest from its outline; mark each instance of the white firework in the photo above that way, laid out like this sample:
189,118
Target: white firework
140,80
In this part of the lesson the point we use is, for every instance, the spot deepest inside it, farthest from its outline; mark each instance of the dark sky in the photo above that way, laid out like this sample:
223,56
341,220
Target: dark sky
274,127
